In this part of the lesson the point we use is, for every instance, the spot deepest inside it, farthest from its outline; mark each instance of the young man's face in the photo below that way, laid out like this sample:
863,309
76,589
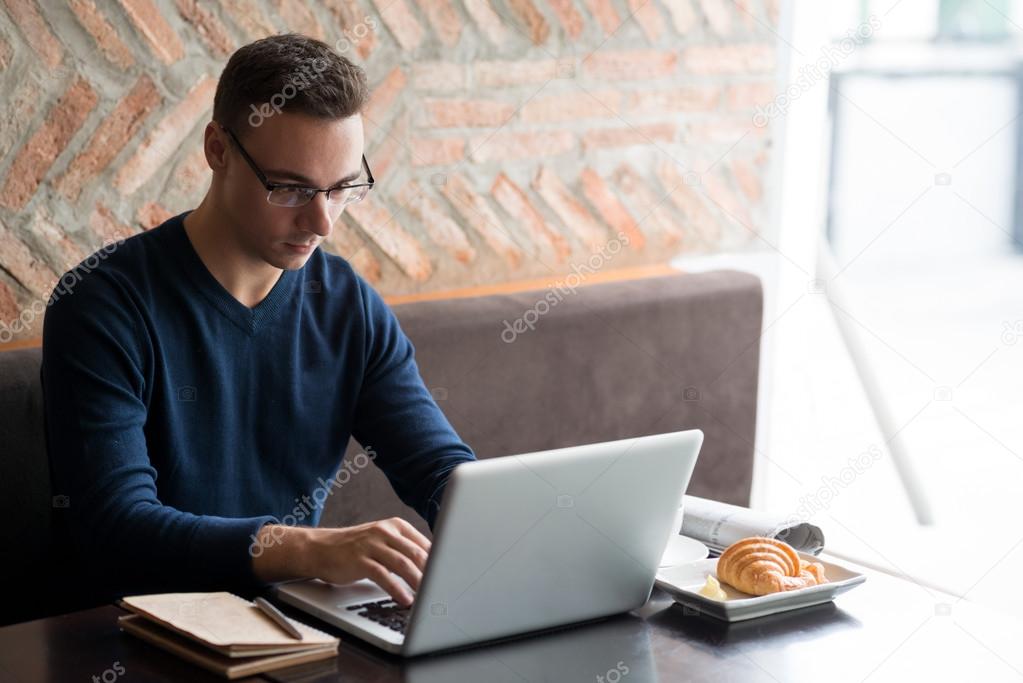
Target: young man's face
297,150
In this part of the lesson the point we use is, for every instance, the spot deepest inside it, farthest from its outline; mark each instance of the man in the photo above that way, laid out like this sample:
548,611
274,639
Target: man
203,381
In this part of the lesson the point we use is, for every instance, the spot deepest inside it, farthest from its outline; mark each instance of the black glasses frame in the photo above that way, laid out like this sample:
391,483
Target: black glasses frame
271,186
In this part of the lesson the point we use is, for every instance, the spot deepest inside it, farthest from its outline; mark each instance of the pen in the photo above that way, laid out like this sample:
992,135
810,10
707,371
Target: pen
278,618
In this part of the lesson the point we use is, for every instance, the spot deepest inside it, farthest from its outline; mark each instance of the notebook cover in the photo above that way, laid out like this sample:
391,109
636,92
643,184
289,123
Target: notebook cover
220,664
224,622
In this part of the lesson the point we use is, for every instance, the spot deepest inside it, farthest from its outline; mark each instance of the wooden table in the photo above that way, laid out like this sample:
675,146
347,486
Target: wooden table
888,629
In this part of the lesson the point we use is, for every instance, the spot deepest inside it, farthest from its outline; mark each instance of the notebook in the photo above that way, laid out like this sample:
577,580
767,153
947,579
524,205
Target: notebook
222,632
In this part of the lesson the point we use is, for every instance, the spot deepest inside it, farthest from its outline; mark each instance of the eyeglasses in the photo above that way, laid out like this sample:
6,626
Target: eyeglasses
290,195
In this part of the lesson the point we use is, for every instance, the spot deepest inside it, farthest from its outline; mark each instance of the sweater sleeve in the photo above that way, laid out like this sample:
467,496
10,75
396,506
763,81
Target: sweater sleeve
95,363
396,417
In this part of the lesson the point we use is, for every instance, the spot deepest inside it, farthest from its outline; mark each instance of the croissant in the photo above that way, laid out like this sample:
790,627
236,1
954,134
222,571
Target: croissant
760,566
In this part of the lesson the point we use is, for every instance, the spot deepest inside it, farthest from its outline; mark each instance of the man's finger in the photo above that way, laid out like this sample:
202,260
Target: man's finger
383,578
399,564
411,550
413,534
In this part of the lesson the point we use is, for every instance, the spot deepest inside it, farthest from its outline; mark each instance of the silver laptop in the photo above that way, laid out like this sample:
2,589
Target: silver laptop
526,543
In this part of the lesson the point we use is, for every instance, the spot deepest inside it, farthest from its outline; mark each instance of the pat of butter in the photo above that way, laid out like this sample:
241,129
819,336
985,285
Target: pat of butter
712,589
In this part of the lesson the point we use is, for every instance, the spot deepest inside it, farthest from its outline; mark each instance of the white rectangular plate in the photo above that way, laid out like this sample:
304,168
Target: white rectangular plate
683,581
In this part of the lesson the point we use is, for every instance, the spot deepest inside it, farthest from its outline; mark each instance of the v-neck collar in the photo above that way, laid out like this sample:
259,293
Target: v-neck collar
250,320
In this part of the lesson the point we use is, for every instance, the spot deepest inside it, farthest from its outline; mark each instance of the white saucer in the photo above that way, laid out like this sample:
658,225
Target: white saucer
683,550
683,583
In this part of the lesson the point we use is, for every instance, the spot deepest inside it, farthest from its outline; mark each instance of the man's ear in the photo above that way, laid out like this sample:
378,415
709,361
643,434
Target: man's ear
215,147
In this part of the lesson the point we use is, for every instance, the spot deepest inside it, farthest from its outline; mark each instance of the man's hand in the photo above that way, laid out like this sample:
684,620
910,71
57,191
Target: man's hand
367,551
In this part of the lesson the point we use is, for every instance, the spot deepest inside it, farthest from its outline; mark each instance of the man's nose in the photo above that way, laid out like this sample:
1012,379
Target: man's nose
319,215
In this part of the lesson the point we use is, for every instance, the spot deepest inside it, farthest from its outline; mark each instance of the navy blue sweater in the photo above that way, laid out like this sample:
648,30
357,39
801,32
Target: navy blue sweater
179,421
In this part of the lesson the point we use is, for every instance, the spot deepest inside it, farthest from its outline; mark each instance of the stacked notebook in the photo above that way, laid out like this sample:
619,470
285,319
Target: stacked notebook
222,632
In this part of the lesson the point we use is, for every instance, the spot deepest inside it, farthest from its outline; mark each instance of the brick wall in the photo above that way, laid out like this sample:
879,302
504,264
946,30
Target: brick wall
512,139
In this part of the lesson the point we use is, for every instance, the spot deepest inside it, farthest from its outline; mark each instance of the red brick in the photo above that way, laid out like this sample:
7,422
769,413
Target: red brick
10,311
66,252
750,95
345,243
106,226
382,101
506,73
478,215
569,210
389,149
357,28
712,60
491,25
536,26
458,113
37,34
299,18
208,26
437,151
110,138
718,191
437,223
444,76
569,17
630,65
747,177
162,39
507,146
24,266
610,209
648,17
650,134
107,40
683,18
689,200
652,210
719,16
380,226
39,153
572,106
192,173
152,214
747,12
671,100
515,201
606,15
166,138
249,16
401,22
444,20
724,131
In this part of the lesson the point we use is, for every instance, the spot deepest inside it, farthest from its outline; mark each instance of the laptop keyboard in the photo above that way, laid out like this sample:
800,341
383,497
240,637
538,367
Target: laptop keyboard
385,612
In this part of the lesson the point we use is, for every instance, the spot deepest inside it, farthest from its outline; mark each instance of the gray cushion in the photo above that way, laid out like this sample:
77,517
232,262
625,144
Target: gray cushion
609,361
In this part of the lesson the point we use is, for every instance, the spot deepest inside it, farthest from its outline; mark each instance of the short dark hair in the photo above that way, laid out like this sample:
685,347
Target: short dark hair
288,69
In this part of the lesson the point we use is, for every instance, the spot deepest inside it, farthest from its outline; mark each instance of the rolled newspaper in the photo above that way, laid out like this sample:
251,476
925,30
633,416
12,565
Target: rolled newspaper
719,525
